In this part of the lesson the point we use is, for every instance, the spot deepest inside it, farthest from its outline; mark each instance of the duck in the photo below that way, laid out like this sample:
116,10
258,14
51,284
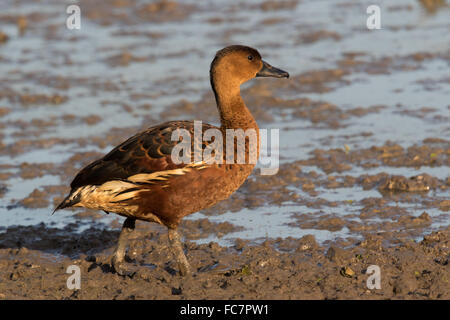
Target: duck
141,179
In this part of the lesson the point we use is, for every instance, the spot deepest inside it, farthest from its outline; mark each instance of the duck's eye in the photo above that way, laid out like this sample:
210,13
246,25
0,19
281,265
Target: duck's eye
250,57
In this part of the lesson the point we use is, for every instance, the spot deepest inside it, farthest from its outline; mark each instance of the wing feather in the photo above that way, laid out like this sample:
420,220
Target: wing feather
144,157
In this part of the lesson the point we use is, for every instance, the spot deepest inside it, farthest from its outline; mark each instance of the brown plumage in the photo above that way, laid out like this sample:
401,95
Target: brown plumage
139,179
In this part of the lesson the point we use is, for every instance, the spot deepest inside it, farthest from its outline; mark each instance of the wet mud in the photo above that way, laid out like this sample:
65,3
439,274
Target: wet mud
277,269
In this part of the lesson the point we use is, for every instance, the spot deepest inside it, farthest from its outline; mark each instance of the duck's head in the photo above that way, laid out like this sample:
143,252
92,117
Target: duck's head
237,64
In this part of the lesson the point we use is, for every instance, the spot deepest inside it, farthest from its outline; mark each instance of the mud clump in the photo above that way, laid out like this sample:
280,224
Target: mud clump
316,81
389,154
31,171
325,222
445,205
338,255
28,99
4,111
432,6
271,5
202,228
36,199
3,190
423,219
92,120
163,11
318,35
124,59
332,224
420,183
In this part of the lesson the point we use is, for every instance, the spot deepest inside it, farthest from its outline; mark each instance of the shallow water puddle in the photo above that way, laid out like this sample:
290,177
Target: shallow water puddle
271,222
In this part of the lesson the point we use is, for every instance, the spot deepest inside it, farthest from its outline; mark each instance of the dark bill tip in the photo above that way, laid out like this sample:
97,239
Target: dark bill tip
268,71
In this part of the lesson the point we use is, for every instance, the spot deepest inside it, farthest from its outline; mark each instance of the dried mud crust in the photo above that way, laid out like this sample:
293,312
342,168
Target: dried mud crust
276,269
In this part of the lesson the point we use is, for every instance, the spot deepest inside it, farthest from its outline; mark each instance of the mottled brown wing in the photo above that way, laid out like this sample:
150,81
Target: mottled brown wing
146,152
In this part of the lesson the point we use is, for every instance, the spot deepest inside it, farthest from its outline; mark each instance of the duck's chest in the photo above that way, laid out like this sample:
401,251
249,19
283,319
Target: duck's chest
186,194
209,186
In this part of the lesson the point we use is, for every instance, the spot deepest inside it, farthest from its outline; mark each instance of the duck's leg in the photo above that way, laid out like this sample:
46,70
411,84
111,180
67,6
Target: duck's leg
118,259
177,250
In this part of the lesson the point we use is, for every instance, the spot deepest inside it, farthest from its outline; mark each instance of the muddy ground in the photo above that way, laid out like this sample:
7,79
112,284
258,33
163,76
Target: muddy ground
364,174
277,269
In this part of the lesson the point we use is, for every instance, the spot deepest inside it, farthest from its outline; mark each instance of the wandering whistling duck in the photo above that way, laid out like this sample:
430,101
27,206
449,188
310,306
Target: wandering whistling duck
140,179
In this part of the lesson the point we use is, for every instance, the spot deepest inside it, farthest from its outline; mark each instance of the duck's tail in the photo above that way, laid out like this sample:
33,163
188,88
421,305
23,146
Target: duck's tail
69,201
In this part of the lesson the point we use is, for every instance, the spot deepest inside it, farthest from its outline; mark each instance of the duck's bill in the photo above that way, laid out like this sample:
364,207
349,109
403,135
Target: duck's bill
268,71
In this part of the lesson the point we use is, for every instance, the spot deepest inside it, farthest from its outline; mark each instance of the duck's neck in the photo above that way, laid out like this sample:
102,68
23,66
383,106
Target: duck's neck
234,114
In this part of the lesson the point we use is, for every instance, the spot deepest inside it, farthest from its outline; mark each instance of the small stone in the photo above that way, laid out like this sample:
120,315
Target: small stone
91,259
14,276
347,272
176,291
